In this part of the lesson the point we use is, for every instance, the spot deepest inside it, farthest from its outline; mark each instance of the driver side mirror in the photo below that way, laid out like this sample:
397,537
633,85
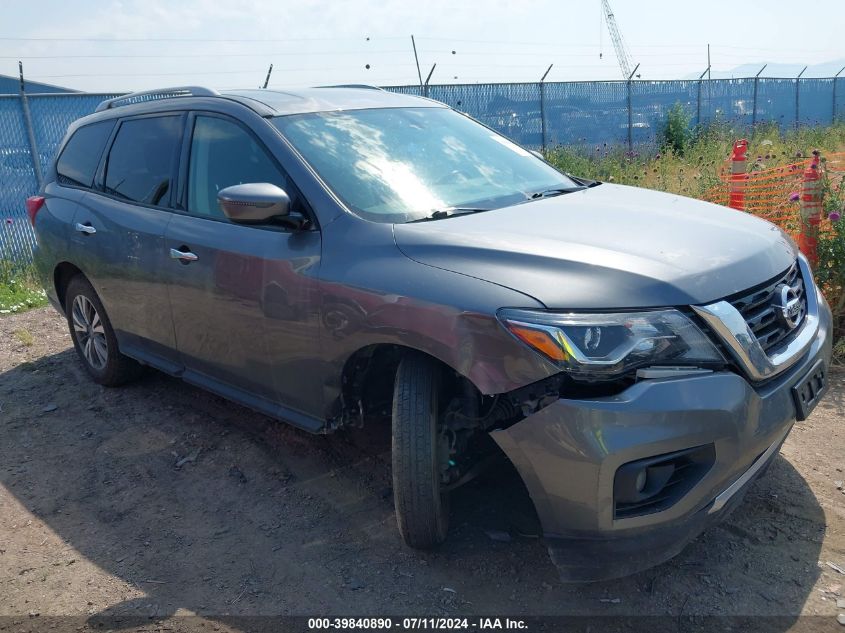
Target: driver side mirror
253,202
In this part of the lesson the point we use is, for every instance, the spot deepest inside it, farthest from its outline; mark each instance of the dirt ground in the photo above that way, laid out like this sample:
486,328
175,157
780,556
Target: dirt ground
159,499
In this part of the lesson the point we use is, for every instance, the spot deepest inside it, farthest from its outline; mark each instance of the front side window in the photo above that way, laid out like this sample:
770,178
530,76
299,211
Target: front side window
142,159
401,164
224,154
81,155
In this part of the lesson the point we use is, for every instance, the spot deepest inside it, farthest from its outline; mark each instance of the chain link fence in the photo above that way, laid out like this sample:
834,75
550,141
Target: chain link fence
584,114
23,136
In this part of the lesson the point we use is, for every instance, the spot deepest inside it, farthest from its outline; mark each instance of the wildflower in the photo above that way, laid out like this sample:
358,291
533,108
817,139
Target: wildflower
834,216
794,196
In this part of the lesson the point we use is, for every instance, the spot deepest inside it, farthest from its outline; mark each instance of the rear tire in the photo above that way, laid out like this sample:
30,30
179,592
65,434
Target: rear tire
422,508
93,336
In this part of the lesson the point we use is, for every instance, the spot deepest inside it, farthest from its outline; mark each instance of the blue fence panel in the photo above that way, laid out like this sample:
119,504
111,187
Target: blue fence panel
406,90
16,173
840,98
815,102
17,181
512,109
650,105
51,114
727,100
585,114
776,101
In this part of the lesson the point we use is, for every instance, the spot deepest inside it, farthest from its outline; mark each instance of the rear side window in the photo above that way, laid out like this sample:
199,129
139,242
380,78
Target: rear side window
142,159
81,155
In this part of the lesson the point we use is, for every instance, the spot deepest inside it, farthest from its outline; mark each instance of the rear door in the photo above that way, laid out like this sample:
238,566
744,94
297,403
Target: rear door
76,168
118,233
243,297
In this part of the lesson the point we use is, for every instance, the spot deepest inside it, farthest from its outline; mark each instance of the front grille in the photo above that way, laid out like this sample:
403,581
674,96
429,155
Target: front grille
761,308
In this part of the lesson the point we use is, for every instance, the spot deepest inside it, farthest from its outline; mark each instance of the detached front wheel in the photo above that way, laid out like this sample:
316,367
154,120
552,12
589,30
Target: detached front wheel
422,506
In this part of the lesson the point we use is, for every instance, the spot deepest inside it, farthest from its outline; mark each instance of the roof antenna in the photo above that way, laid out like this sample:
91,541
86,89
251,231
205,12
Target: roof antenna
267,80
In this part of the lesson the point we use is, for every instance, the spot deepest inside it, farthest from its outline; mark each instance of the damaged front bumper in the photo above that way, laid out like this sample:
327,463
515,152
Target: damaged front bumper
569,454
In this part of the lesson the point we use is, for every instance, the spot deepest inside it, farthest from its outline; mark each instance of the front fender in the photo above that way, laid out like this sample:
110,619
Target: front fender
387,298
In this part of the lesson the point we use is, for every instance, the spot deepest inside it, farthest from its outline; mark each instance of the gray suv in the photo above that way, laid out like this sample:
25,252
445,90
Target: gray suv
327,254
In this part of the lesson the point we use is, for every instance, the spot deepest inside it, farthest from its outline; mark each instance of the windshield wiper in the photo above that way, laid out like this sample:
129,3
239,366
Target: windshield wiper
589,184
548,193
450,212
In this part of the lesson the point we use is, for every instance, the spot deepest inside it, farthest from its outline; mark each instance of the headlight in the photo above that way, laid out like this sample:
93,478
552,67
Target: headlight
609,344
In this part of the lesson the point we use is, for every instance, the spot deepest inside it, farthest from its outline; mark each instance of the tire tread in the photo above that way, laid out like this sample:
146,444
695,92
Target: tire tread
420,508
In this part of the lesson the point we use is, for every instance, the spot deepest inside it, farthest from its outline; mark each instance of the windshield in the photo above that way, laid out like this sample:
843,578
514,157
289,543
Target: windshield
402,164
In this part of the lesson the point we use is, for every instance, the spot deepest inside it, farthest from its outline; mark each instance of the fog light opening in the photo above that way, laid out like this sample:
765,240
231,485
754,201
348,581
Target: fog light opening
642,479
655,483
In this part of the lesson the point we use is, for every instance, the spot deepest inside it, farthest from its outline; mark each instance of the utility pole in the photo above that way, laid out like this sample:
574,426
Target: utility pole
267,79
543,106
754,102
417,60
709,78
698,106
797,86
630,114
30,132
833,111
427,79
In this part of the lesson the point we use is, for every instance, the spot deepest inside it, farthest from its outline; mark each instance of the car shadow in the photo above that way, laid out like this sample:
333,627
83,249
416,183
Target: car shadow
188,503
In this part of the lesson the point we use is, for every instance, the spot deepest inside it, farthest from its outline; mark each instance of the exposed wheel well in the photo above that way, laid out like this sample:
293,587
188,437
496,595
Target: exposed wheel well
62,275
368,377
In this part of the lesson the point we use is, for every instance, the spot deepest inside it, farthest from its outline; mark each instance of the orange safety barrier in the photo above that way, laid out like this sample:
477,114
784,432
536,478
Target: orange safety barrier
769,193
738,175
789,196
811,210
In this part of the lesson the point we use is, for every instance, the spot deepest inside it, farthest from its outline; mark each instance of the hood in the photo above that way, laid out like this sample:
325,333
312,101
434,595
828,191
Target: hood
607,247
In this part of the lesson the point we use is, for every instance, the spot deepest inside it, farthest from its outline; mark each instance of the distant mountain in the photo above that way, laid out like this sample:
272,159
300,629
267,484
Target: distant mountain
826,69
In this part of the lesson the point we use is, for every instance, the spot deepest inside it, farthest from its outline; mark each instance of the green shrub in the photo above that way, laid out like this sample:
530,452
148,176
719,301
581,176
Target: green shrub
19,288
676,134
830,270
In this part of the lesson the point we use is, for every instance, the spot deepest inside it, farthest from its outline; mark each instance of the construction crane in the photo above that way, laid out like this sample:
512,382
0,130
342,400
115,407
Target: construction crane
622,56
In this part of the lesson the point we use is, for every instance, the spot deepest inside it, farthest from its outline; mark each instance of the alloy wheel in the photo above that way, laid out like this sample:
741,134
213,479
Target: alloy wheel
88,327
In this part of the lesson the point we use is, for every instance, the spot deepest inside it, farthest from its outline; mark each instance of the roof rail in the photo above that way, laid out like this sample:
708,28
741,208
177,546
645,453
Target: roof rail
155,95
361,86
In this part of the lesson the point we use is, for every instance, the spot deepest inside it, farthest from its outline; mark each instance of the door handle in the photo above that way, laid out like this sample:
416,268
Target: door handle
85,228
184,256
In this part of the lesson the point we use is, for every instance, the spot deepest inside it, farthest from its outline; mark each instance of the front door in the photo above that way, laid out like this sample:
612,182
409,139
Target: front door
243,296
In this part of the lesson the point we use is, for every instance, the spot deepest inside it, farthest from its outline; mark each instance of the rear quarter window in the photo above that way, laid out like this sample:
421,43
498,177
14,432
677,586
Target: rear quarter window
78,161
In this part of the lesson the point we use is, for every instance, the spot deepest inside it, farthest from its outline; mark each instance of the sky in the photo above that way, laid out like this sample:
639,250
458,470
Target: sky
120,45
